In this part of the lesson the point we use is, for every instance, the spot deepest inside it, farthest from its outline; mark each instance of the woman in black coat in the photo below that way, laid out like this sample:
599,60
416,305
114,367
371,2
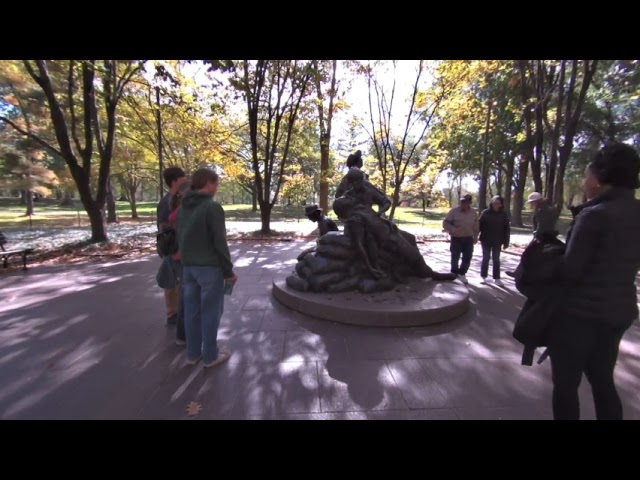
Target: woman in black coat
597,276
494,234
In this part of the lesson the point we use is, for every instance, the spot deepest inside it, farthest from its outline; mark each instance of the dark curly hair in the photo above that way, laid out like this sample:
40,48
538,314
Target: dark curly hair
617,165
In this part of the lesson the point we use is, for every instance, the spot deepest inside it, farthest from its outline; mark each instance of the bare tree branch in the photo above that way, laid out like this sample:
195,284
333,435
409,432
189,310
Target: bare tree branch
33,136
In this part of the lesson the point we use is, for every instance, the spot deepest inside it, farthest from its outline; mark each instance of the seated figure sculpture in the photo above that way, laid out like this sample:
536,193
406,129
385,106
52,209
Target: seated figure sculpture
376,238
372,254
325,224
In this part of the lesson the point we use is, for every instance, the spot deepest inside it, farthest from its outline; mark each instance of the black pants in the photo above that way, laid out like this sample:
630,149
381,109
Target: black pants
576,346
461,246
490,251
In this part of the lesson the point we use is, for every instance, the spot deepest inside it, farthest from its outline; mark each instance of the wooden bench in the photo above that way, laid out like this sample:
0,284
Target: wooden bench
5,254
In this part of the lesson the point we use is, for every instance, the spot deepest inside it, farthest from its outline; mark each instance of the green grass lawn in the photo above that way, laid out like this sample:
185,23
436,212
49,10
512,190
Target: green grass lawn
49,214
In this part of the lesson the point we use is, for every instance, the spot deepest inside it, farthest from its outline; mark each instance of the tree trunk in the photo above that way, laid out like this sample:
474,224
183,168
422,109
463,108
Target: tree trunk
29,202
324,174
518,204
536,164
394,201
23,197
254,200
571,124
518,198
112,216
508,184
265,217
424,204
132,202
484,170
66,200
96,217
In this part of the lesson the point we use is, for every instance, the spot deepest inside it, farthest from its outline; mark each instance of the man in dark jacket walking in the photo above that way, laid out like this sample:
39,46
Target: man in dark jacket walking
494,234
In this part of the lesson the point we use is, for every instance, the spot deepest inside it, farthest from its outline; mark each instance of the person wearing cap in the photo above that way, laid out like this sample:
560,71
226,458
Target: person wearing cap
325,224
462,224
597,277
494,233
544,216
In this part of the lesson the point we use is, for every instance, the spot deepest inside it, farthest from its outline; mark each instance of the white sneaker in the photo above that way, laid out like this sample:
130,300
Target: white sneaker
485,281
223,356
463,279
499,283
191,363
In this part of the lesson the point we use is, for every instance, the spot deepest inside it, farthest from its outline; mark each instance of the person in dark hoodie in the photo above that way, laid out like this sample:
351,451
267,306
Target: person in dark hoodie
206,265
494,234
598,280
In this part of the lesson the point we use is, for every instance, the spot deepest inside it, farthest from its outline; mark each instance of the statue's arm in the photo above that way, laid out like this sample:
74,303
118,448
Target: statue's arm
383,202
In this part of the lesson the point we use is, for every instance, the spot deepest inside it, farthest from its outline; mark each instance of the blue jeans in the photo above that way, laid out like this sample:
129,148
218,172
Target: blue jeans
490,251
203,289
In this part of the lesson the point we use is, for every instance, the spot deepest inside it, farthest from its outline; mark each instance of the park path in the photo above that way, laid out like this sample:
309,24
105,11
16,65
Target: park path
89,342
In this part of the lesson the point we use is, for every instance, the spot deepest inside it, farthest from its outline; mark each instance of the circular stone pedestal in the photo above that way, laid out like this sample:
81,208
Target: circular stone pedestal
420,302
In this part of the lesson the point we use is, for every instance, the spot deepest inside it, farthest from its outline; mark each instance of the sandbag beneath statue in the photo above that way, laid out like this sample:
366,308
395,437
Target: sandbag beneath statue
319,264
335,251
336,238
321,282
297,283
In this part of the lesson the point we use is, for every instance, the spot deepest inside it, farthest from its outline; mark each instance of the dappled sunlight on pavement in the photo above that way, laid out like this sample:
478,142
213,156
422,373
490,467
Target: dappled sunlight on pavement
89,341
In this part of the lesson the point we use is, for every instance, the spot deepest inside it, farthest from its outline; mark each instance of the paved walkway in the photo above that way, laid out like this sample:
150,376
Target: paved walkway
89,342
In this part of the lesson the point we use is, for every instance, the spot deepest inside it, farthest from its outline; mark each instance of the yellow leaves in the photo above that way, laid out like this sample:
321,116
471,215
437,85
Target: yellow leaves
297,187
235,170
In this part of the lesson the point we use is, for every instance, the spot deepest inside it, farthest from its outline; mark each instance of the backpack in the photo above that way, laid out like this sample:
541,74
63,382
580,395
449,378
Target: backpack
167,242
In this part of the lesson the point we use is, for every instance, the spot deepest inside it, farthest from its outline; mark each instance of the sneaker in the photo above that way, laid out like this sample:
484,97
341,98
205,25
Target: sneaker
498,282
485,281
180,342
223,356
190,362
463,279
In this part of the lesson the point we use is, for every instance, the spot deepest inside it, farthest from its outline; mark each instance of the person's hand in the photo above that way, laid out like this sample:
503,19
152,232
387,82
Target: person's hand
233,279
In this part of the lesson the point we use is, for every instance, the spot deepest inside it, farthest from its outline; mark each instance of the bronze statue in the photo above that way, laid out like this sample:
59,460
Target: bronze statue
373,254
366,194
376,238
325,224
354,162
